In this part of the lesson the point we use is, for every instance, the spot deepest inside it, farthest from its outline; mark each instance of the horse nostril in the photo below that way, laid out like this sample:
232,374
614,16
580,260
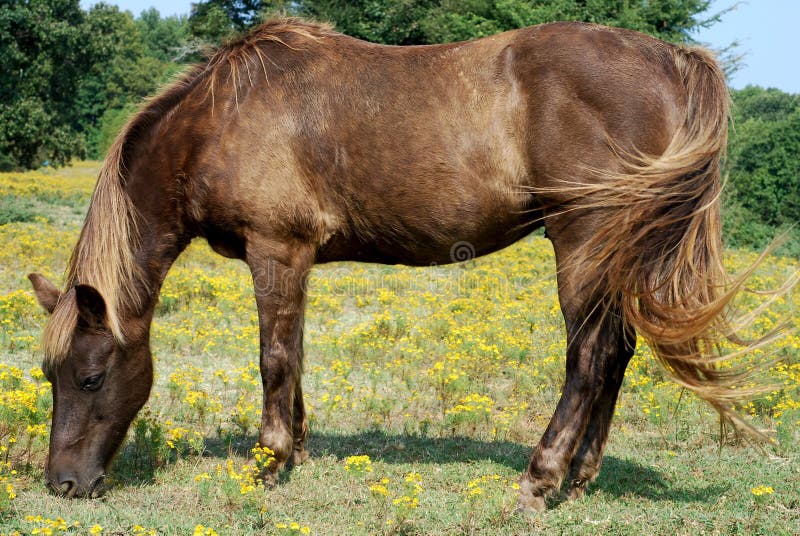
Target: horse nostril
98,487
65,486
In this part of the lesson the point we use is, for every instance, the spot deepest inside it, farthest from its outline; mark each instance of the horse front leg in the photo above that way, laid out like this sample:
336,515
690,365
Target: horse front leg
279,277
299,425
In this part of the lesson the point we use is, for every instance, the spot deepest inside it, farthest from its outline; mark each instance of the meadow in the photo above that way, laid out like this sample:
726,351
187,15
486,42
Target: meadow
426,390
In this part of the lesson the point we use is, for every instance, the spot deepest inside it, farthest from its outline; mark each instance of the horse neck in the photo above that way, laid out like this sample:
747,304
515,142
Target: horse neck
162,237
129,241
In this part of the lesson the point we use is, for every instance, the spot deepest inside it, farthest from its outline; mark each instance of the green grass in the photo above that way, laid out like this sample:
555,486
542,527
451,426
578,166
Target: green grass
401,348
643,489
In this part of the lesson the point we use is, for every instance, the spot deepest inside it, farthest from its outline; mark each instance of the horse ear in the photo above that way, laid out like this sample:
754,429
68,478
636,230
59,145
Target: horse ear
45,291
91,307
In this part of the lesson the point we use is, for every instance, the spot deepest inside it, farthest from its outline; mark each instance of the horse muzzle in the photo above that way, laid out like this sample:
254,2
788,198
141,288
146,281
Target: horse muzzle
68,485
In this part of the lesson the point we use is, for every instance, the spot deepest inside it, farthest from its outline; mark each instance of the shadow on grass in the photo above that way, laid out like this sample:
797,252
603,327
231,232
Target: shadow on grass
618,477
133,466
625,478
405,448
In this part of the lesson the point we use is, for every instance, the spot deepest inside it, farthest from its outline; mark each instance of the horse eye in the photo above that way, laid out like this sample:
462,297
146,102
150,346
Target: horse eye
92,383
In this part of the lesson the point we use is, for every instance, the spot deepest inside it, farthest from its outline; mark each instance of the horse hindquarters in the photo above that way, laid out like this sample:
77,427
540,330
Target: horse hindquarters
634,218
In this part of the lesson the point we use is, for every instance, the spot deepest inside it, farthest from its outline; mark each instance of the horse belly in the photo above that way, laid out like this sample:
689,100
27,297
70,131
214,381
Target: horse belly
442,231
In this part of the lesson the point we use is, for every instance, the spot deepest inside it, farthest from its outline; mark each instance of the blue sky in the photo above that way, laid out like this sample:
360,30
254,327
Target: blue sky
766,31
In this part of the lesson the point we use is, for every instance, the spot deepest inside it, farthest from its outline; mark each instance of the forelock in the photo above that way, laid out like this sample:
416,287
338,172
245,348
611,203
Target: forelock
60,329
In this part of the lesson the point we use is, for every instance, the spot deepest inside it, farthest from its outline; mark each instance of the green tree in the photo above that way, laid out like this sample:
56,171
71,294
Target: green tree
379,21
768,104
163,38
63,69
764,154
42,57
121,70
407,22
764,163
212,21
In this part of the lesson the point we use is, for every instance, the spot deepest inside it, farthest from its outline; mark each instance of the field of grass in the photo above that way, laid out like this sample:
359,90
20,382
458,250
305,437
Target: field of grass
426,388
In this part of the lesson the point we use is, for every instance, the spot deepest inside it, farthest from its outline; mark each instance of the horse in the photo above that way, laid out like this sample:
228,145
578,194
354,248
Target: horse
295,145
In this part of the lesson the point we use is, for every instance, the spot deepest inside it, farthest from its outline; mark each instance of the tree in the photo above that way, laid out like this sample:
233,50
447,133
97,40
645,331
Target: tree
767,104
764,154
42,57
407,22
764,161
63,68
119,70
163,38
212,21
379,21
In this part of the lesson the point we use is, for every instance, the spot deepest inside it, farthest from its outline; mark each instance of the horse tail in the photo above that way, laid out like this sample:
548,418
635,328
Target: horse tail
658,254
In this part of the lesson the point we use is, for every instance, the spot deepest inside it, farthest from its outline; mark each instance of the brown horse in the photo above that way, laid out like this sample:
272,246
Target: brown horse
297,145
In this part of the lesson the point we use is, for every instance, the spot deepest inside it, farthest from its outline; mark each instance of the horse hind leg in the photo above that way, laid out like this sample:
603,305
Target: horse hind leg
596,358
585,465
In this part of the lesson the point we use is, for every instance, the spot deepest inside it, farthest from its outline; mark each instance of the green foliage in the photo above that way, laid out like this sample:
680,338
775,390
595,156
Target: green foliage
163,39
412,22
121,71
768,104
16,209
380,21
42,56
210,23
109,126
409,22
213,21
7,163
64,67
31,133
764,161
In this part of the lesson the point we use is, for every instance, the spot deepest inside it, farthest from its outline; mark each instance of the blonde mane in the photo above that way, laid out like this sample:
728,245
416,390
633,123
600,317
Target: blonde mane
103,258
105,255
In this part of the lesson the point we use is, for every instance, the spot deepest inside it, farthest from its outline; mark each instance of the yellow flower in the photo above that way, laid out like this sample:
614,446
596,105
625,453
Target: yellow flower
96,529
762,490
414,478
379,489
358,464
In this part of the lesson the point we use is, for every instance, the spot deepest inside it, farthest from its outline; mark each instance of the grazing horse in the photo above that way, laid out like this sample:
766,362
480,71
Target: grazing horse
296,145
